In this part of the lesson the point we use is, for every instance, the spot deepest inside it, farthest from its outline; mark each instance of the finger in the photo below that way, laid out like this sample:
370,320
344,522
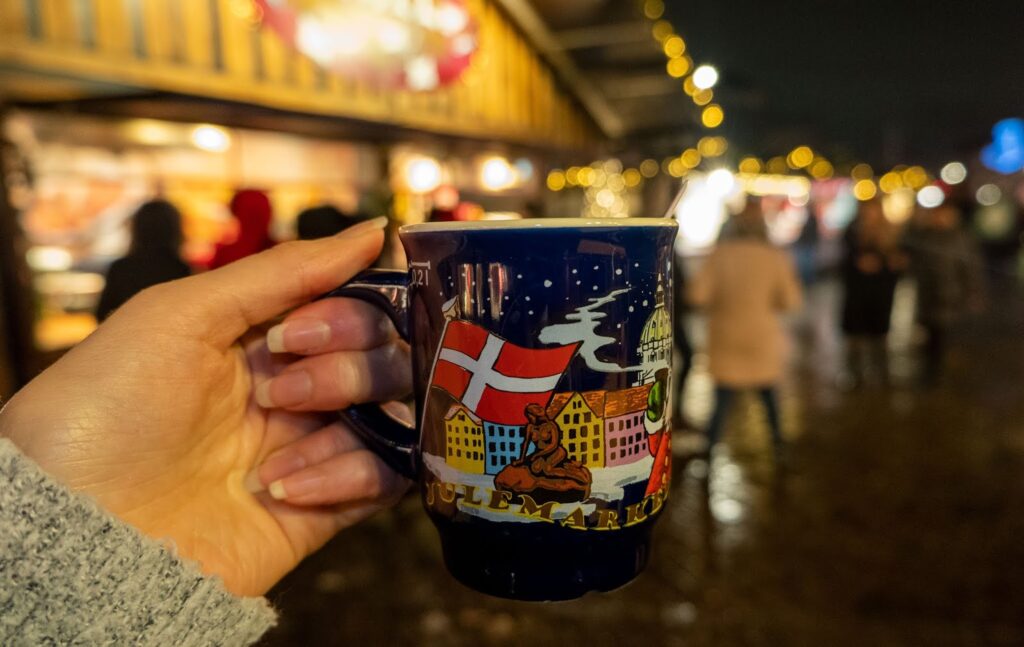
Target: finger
357,476
308,450
331,325
222,304
338,380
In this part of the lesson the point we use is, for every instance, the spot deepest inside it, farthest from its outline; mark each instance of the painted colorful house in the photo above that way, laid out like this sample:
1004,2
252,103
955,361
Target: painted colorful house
504,444
580,416
625,436
464,439
599,429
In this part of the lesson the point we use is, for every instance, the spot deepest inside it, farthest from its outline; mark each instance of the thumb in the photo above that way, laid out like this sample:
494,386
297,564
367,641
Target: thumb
226,302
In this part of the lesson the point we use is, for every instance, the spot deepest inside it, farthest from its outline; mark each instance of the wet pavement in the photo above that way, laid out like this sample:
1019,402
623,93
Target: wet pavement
898,519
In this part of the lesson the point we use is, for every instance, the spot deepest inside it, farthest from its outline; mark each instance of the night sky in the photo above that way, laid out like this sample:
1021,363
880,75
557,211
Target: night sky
904,81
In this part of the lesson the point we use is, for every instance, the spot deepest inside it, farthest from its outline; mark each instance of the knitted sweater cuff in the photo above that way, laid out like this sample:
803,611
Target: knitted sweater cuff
70,573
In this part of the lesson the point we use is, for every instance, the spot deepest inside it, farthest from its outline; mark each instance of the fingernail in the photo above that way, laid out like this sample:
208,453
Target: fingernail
380,222
276,490
280,464
298,335
285,390
252,482
295,486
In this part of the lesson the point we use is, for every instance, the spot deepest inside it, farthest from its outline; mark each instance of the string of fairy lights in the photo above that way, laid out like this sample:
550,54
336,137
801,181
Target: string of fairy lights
605,182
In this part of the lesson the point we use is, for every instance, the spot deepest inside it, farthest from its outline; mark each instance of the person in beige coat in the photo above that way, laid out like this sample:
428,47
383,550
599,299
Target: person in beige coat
744,286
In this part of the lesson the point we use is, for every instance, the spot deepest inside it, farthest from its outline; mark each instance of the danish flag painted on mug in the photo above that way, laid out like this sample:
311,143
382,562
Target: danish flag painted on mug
494,378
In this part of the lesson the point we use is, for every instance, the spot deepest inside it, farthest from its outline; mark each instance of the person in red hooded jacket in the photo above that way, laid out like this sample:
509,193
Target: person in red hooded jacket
251,208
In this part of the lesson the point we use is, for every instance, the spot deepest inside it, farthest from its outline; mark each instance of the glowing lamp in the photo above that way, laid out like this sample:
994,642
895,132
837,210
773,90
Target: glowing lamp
497,174
210,138
953,173
930,196
423,174
705,77
721,181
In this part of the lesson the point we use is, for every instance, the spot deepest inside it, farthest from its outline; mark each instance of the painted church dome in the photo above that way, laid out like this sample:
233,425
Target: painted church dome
658,326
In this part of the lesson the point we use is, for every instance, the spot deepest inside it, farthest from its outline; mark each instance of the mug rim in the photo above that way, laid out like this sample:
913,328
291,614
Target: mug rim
536,223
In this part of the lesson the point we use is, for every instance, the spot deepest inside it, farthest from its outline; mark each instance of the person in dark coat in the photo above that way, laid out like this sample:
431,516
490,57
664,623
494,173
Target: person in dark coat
154,256
871,267
321,222
947,266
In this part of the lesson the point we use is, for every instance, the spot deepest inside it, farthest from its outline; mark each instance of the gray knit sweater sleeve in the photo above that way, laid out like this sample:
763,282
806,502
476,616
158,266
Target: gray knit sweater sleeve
71,574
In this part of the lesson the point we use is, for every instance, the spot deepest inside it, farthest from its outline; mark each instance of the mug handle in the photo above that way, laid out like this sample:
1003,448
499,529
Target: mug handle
394,441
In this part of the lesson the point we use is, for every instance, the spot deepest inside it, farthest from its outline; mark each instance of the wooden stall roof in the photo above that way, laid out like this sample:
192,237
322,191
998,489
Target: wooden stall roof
54,50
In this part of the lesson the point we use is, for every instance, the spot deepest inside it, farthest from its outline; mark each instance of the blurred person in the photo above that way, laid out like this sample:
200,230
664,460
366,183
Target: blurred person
252,210
947,266
172,467
871,266
681,340
805,248
321,222
743,286
153,257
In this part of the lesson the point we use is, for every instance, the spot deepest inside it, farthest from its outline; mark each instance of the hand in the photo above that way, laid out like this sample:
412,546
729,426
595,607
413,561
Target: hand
157,414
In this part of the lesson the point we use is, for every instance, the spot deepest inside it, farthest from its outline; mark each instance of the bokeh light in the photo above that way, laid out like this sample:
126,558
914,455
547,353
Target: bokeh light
777,165
750,165
674,46
210,138
712,146
613,165
712,116
556,180
661,30
676,168
649,168
423,174
864,189
890,182
572,176
721,181
654,9
690,158
930,196
862,172
822,169
988,195
688,87
631,177
705,77
915,177
703,97
586,176
678,67
800,157
497,174
953,173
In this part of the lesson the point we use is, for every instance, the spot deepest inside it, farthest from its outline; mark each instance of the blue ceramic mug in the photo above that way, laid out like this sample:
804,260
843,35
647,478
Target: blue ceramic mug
541,357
